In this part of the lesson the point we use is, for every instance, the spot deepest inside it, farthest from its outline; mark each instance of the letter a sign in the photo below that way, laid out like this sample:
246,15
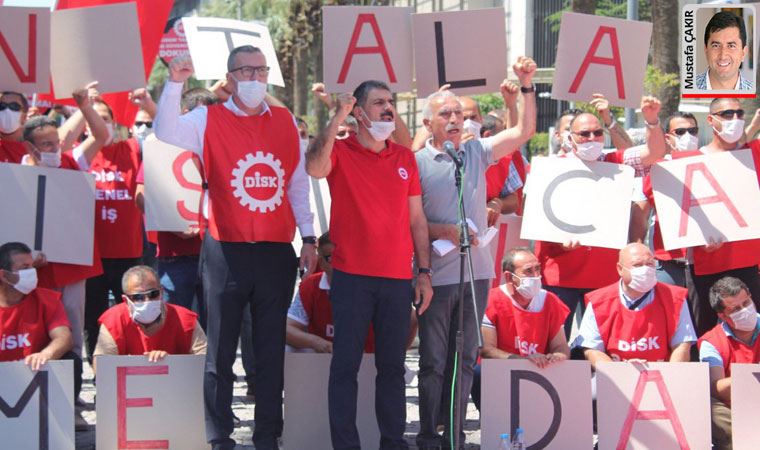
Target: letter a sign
367,43
598,54
24,49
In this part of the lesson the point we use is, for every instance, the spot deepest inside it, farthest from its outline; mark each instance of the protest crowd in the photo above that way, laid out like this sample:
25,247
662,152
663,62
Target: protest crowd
385,279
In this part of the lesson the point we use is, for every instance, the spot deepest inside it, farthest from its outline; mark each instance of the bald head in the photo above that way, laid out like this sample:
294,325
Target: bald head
471,109
634,252
584,121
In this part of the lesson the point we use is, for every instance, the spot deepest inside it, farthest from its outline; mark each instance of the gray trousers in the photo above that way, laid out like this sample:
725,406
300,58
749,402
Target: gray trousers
437,331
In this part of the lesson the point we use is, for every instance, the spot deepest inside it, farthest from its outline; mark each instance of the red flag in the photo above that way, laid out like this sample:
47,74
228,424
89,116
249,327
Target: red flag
152,16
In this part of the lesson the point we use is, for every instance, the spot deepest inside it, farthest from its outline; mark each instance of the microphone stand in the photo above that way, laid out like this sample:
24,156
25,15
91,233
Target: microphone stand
465,258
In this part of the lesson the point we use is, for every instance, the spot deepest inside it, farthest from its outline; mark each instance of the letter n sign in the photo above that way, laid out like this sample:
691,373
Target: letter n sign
24,49
366,43
601,54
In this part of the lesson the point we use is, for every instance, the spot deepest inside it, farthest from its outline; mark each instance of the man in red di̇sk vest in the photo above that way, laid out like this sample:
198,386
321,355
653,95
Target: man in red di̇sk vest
681,135
33,324
42,139
522,320
732,340
376,223
144,324
636,318
569,269
714,261
13,109
258,191
118,223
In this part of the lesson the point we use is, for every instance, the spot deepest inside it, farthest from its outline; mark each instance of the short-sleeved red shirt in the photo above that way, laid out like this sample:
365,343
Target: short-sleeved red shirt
25,326
369,218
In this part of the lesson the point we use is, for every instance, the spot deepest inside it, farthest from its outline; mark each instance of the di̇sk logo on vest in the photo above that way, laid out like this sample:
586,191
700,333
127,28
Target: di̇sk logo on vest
258,181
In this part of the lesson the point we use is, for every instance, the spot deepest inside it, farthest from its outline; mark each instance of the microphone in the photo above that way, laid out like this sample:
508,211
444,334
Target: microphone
448,147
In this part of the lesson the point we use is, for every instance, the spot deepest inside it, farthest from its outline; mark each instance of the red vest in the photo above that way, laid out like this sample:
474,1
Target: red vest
643,334
58,275
522,332
11,151
582,268
496,176
24,328
118,222
175,337
248,162
731,350
316,303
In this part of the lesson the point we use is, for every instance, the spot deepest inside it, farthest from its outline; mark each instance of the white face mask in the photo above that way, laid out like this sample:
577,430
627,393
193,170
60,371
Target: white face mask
566,144
304,144
380,130
529,286
10,121
251,93
686,142
745,319
27,280
50,159
731,130
145,312
643,278
472,127
141,132
589,151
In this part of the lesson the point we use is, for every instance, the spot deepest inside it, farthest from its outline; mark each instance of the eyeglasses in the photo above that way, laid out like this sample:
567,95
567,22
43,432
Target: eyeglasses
729,114
142,296
249,71
13,106
147,124
691,130
587,134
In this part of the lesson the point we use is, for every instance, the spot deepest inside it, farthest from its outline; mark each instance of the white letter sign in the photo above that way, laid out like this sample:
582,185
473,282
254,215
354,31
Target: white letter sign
654,405
150,405
707,197
172,187
24,49
211,40
509,226
307,424
745,405
569,199
100,44
552,405
50,210
597,54
466,49
37,408
367,43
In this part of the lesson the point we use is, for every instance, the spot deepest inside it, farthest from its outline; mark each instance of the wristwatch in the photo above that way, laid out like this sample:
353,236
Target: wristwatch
425,271
309,240
526,90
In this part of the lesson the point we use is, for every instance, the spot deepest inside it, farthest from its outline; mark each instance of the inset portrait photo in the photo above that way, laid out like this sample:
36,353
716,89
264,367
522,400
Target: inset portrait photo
718,51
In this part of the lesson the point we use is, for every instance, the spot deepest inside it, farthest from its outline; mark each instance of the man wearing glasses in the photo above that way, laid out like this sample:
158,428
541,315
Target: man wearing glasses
258,191
13,109
522,319
720,259
144,324
570,270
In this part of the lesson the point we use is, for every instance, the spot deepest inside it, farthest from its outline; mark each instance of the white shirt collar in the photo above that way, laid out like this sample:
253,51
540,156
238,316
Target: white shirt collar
230,104
738,81
324,283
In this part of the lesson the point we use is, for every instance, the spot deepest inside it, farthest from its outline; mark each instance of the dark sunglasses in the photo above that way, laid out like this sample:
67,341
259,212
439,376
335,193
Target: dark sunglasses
142,296
587,134
728,114
13,106
147,124
691,130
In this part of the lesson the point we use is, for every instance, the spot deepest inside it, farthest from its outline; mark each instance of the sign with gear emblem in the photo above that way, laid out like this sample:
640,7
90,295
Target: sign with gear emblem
259,182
